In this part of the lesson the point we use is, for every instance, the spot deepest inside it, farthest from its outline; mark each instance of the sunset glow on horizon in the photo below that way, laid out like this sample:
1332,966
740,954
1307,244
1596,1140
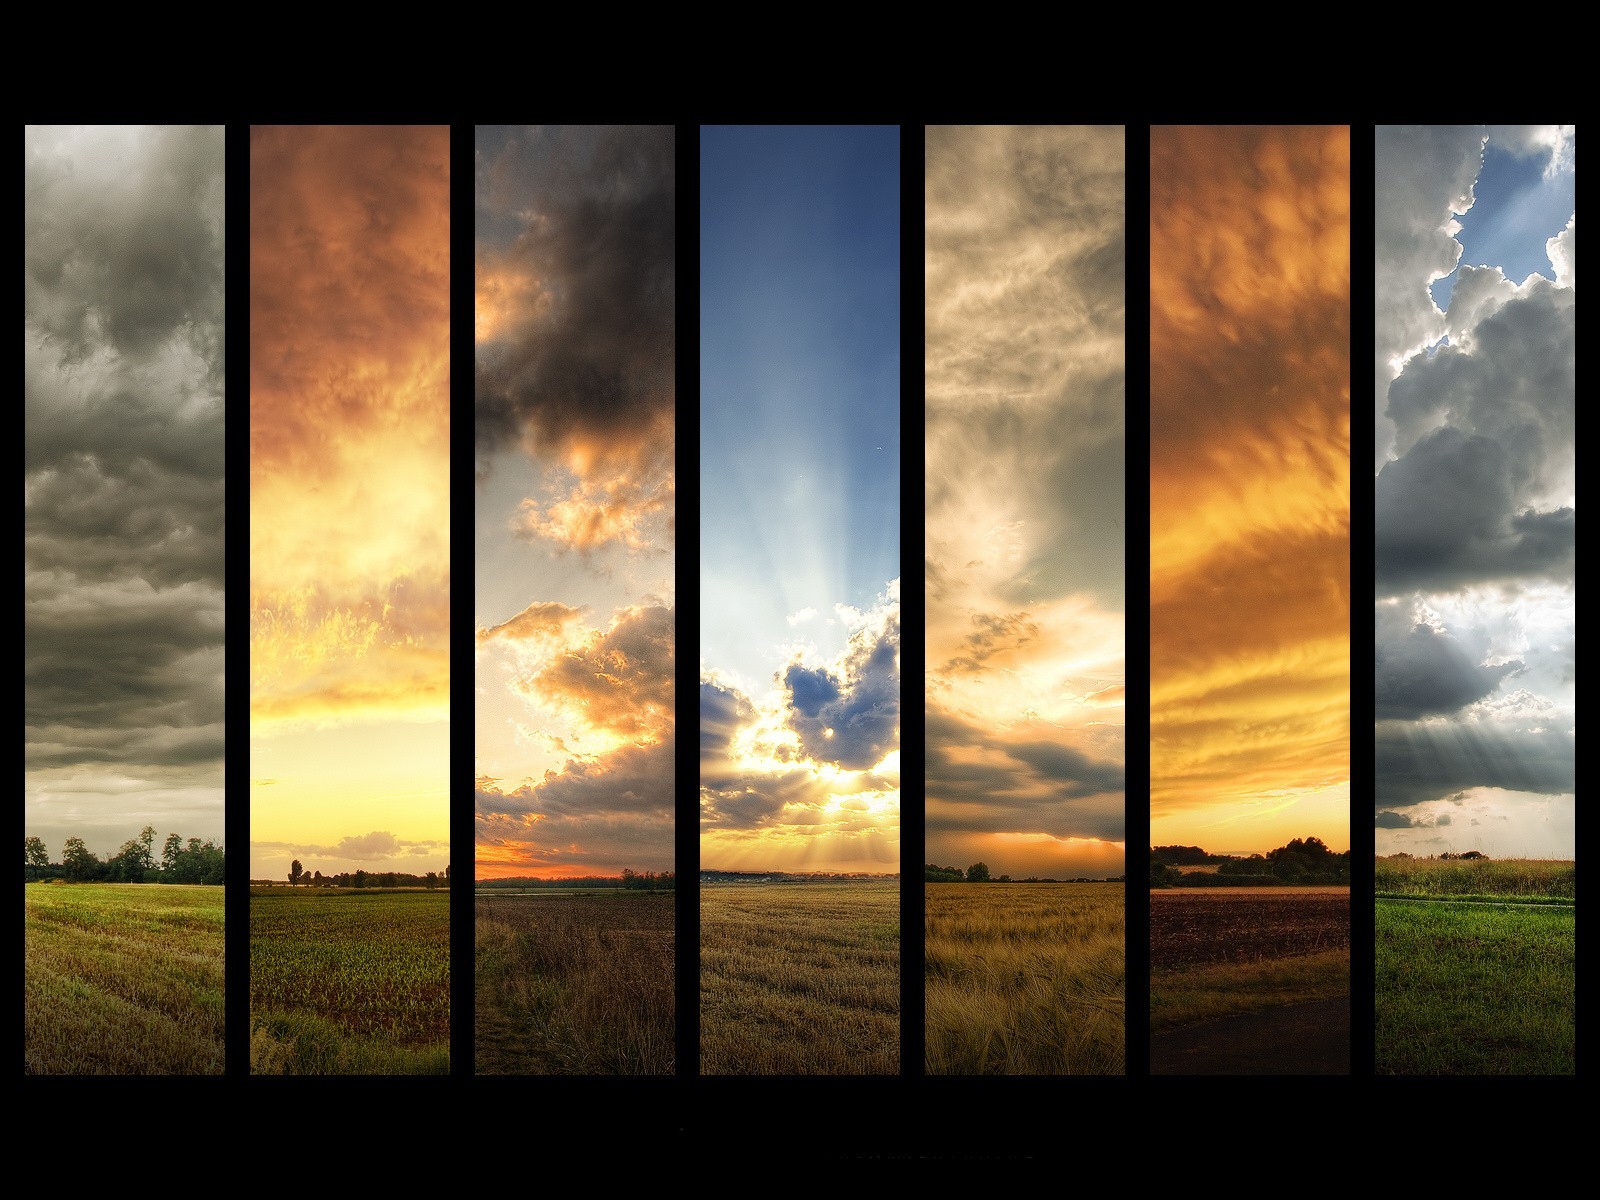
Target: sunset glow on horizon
350,499
1026,518
1250,487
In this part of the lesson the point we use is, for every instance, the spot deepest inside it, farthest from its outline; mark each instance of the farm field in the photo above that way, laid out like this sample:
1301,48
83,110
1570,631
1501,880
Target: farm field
123,979
574,983
1466,984
1215,953
800,979
349,982
1533,879
1025,979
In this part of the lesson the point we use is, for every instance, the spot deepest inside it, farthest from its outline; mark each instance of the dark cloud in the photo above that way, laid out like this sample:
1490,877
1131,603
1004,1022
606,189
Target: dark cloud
1420,671
732,799
611,813
1421,761
123,374
1392,820
723,710
851,719
980,782
1485,433
587,215
1445,518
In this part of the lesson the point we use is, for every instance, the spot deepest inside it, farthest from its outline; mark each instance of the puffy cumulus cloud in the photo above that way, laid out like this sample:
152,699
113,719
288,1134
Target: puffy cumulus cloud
848,712
1554,143
777,792
593,515
349,364
1507,375
594,816
576,240
593,688
1422,671
1475,524
545,621
1424,180
123,374
1563,252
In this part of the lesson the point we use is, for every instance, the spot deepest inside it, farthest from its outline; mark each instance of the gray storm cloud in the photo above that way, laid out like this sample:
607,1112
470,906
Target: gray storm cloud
123,372
588,214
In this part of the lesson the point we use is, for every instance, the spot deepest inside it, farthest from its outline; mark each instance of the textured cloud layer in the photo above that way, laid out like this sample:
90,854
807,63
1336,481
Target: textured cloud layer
123,371
1249,488
349,423
1025,350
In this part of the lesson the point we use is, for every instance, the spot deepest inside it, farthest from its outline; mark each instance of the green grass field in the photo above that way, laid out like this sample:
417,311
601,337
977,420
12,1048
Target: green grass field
1469,987
1025,979
349,982
123,979
800,979
575,983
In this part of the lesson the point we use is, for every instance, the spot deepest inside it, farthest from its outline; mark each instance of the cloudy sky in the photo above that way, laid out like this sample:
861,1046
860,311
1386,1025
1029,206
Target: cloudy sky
574,522
1250,486
123,483
1025,245
1475,480
349,498
800,488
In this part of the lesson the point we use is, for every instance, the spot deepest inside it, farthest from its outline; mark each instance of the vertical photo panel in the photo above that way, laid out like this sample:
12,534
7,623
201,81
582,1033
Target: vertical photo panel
1025,345
1474,663
123,494
349,600
1250,600
800,601
573,600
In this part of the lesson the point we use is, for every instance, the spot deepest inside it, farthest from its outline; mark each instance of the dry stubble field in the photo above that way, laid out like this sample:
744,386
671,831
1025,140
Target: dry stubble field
800,979
1025,979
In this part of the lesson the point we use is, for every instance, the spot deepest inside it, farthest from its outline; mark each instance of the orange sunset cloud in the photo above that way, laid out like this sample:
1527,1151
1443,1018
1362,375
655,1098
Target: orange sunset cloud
1250,486
349,479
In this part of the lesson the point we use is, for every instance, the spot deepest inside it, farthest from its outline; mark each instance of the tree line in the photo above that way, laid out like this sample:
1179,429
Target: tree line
181,861
300,877
1301,860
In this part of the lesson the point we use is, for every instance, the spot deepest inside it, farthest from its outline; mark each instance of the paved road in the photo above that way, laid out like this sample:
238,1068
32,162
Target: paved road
1296,1039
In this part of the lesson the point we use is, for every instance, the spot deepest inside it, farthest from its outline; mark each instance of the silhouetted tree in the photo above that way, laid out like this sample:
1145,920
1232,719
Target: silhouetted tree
978,872
296,872
34,854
